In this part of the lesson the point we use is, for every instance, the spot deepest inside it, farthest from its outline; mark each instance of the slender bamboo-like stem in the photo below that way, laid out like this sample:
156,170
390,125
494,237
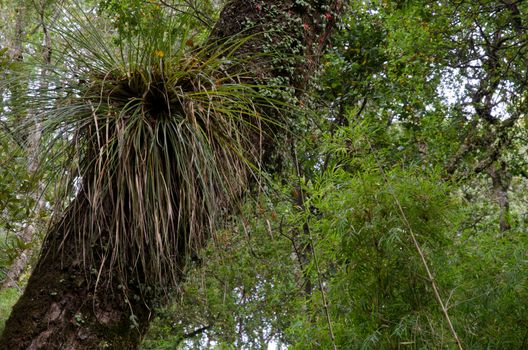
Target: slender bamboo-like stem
315,257
419,250
323,294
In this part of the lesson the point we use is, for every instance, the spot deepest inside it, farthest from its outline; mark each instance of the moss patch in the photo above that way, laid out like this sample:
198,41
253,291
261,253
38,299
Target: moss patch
8,298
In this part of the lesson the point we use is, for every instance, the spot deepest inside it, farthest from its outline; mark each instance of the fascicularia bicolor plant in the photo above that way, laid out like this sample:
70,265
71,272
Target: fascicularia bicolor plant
161,140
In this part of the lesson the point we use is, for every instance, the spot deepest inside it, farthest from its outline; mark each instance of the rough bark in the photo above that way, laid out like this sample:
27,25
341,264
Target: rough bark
61,307
18,265
16,45
501,180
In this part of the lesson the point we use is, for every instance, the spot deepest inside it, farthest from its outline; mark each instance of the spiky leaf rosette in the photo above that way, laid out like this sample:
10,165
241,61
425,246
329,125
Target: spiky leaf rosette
163,141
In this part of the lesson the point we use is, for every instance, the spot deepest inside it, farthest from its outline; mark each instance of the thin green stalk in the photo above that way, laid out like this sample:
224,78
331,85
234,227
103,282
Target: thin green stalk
316,261
418,249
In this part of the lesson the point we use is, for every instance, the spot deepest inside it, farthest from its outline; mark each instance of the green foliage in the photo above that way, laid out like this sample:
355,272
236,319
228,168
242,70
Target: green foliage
492,288
237,294
161,135
8,298
250,294
377,290
4,60
323,257
132,17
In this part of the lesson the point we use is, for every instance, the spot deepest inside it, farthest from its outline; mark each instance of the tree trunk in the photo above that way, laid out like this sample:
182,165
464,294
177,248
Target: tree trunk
61,307
21,261
501,180
16,45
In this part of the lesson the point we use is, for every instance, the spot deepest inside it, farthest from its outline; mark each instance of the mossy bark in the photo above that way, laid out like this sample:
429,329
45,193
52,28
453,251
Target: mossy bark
68,305
63,306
